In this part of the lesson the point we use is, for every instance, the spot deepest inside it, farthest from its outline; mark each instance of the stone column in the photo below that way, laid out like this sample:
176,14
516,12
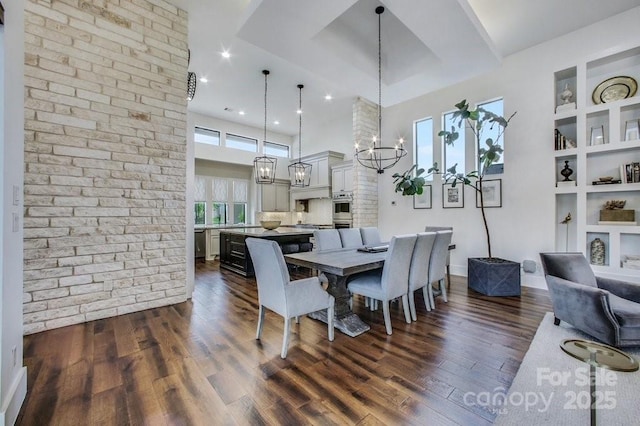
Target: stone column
365,185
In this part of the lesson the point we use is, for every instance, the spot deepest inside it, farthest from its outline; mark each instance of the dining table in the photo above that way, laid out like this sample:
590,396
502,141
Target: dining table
338,265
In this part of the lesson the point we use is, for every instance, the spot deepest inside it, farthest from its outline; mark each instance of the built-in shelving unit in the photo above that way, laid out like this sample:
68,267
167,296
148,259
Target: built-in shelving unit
594,140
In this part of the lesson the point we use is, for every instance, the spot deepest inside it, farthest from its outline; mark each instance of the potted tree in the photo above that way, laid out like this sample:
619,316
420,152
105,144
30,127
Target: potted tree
490,275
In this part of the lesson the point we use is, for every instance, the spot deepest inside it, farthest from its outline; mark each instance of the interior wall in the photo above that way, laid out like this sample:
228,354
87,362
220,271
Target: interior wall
13,382
524,226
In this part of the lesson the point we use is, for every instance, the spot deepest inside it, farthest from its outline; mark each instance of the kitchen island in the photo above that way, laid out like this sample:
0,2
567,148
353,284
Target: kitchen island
234,254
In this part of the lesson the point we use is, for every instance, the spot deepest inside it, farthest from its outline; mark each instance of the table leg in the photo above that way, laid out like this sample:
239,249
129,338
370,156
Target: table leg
344,319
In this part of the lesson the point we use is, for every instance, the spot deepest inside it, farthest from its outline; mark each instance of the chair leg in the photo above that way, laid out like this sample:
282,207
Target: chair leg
260,322
285,339
431,299
387,316
405,308
297,320
330,314
448,276
412,305
443,290
425,296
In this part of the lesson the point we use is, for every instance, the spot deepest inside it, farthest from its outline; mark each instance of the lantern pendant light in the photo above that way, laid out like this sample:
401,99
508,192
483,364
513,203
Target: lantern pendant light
299,172
264,166
375,155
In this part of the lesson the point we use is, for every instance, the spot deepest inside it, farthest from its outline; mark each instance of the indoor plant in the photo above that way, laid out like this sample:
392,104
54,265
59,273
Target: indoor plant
491,275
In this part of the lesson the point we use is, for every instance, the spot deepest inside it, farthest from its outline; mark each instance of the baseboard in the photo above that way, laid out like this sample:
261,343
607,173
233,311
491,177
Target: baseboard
14,399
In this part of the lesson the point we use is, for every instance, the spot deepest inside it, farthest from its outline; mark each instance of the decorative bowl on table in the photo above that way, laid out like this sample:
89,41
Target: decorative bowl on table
270,224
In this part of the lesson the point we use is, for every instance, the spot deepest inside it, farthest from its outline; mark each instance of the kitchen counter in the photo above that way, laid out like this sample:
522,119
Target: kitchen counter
234,254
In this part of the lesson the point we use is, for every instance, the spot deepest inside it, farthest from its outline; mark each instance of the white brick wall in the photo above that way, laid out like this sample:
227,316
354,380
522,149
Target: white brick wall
105,159
365,189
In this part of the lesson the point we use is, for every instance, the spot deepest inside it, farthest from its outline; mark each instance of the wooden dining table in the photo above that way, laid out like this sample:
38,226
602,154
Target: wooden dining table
337,266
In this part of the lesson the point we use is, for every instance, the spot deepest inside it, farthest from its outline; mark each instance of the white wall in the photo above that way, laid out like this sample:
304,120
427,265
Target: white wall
13,381
525,225
334,133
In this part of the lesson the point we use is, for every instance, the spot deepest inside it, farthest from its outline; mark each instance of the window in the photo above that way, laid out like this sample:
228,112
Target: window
453,154
276,149
240,142
200,197
423,142
495,106
202,135
227,198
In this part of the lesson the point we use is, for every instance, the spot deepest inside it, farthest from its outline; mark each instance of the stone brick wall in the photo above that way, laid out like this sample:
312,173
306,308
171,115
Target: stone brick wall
365,189
105,159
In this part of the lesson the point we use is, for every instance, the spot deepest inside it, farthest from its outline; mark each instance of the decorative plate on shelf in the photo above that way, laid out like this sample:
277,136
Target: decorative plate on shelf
614,89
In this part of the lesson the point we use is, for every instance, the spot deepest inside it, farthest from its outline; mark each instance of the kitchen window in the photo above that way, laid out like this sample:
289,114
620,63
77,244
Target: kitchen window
241,142
423,142
228,199
208,136
276,149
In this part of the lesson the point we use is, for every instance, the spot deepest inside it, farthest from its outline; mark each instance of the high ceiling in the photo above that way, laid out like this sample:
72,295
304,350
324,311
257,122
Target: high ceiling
331,46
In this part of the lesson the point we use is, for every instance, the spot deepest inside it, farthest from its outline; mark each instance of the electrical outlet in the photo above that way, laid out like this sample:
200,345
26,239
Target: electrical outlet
16,195
14,355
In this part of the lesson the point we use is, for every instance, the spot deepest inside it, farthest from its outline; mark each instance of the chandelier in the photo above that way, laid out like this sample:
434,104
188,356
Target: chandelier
264,166
299,172
375,156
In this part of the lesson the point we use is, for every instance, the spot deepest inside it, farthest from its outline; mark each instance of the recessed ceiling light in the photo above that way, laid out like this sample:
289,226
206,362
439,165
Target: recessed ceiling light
276,122
328,97
225,54
203,79
299,111
241,112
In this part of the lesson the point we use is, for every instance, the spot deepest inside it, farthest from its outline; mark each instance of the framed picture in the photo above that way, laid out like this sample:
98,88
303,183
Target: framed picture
632,130
423,201
597,135
452,196
492,193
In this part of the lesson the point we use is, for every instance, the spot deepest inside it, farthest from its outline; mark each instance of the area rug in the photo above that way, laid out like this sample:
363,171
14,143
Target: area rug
552,388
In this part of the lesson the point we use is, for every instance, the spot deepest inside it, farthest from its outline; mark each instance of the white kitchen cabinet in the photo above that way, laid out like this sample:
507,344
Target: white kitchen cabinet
213,243
342,178
275,197
320,182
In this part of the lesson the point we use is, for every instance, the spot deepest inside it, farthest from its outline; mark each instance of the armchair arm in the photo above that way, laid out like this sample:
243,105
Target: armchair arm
584,307
626,290
305,296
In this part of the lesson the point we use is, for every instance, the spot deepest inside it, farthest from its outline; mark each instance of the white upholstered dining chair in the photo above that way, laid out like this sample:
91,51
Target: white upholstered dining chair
370,235
278,293
419,271
350,237
438,266
392,281
327,239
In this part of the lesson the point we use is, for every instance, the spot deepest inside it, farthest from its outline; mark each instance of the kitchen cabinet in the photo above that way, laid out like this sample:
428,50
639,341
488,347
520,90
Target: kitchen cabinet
213,243
320,182
342,178
275,197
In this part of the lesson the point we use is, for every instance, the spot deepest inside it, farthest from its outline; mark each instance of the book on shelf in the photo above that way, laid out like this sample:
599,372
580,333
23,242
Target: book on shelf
606,182
564,183
630,172
617,222
562,142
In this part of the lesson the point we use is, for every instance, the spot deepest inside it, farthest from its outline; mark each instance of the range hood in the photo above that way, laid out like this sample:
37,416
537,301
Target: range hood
310,192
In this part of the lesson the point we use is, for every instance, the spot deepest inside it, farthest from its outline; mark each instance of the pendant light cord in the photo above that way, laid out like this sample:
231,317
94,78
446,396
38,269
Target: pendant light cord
380,75
266,73
300,86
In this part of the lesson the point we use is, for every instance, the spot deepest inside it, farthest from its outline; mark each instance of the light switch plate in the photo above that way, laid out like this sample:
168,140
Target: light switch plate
16,195
16,222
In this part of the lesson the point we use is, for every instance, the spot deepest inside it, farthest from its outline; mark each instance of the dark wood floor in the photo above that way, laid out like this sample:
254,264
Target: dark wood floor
198,363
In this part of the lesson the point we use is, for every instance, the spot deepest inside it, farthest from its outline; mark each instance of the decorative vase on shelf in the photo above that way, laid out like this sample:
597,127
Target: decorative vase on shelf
566,172
597,252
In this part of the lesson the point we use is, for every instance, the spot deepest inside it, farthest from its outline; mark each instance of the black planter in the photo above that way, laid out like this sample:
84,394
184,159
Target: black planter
494,276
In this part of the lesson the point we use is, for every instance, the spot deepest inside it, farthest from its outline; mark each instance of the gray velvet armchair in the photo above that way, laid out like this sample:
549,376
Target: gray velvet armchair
606,309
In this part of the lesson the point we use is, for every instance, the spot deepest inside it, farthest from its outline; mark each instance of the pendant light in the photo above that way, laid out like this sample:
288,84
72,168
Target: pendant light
375,156
264,166
299,172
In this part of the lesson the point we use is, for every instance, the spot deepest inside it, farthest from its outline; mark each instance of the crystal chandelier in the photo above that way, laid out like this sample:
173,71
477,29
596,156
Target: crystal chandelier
264,166
375,156
299,172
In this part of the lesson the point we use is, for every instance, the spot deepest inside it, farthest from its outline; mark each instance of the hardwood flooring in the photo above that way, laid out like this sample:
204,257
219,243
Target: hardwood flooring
198,363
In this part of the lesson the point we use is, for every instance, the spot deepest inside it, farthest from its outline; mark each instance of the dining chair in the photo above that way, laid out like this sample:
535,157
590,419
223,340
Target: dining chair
443,228
278,293
438,266
392,281
370,235
350,237
419,270
327,239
